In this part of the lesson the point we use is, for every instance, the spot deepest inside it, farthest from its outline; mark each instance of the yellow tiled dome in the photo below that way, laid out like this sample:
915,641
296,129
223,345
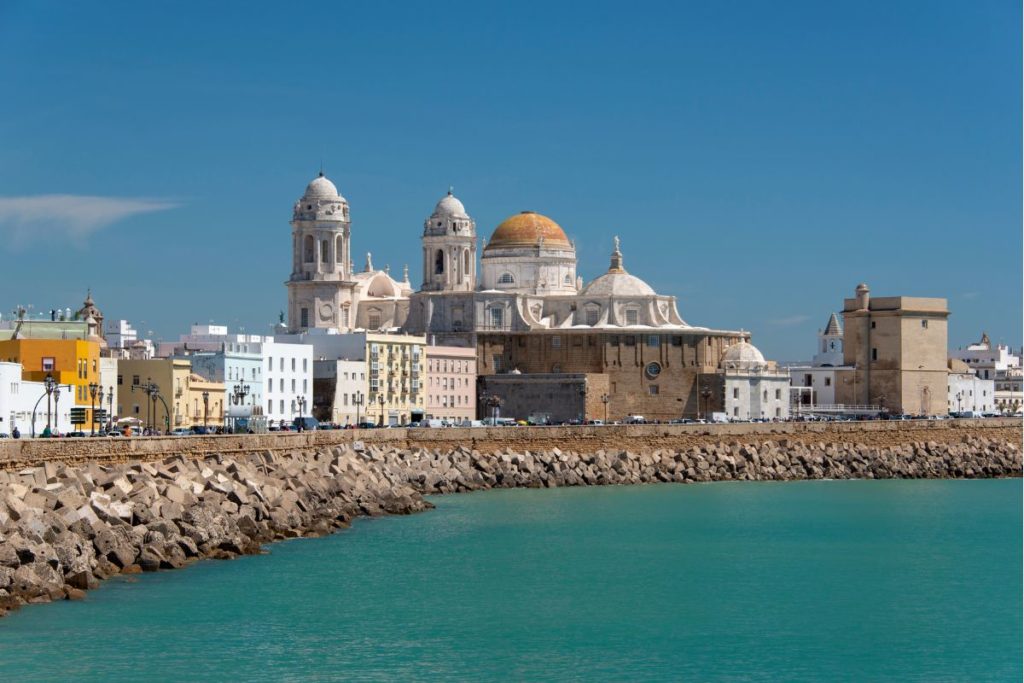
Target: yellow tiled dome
526,229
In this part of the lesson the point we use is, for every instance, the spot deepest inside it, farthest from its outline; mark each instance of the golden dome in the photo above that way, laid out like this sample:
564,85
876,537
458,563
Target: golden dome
526,229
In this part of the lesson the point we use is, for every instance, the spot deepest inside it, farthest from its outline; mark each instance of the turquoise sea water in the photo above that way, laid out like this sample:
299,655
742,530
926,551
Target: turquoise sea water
803,581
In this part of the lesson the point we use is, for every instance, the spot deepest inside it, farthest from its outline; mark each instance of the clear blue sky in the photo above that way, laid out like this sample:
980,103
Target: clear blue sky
757,159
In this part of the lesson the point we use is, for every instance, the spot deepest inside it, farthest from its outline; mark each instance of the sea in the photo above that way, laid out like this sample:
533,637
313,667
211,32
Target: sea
735,581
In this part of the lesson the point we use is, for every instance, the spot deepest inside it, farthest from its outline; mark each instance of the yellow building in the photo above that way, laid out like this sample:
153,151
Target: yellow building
396,392
71,362
179,402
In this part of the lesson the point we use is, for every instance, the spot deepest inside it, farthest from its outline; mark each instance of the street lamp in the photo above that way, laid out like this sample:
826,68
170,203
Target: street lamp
492,402
110,408
605,398
357,400
152,391
380,399
240,391
100,404
56,410
93,388
49,385
301,400
206,407
705,393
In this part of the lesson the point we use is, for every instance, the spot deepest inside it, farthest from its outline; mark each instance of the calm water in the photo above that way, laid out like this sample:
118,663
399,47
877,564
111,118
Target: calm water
814,581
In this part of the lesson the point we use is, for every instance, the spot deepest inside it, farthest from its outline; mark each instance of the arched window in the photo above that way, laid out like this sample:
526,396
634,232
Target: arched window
439,262
506,279
339,250
465,262
568,279
373,320
308,249
323,251
593,315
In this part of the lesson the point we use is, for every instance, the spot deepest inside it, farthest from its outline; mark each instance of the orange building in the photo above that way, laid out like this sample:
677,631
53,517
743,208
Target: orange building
71,362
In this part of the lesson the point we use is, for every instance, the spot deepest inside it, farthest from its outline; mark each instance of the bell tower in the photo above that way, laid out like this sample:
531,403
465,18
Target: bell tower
449,248
320,287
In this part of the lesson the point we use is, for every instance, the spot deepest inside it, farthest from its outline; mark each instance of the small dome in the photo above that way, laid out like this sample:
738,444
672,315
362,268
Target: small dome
526,229
743,352
450,207
321,188
617,284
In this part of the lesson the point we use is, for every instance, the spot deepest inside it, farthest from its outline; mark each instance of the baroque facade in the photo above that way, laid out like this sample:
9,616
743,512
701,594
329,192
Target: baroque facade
324,291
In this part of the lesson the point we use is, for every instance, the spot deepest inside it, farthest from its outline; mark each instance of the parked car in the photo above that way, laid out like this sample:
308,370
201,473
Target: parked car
181,431
308,424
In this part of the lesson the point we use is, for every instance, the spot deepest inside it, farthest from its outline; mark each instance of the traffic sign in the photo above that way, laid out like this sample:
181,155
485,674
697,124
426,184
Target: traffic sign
78,416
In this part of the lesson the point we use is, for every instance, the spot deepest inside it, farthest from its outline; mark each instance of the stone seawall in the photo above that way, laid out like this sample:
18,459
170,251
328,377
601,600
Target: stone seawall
65,527
18,454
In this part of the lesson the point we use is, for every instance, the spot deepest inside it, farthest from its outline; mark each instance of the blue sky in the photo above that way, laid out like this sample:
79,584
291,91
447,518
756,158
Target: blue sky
757,159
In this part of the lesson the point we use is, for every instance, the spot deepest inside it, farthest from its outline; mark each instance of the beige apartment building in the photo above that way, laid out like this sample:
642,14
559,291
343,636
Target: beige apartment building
395,391
451,383
895,350
185,398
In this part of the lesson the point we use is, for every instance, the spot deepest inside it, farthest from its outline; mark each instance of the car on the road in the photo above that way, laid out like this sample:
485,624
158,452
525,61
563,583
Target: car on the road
181,431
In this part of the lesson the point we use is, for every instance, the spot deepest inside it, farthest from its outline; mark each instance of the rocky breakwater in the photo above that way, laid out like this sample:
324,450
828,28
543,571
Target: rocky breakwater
63,528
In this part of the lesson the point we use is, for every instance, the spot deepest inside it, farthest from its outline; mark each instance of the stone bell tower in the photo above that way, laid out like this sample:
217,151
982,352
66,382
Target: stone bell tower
449,248
320,286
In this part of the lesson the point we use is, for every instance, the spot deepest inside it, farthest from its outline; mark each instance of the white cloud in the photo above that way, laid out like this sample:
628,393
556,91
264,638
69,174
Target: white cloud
56,217
790,321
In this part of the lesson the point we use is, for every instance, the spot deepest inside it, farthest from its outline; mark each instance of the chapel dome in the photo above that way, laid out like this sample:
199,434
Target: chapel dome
617,284
321,188
526,229
742,352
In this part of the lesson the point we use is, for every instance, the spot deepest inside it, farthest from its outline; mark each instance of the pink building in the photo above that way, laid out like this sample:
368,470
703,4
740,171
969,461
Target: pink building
451,383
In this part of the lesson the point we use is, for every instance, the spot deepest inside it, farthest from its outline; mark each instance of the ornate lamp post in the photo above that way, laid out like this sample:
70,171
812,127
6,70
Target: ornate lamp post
492,403
605,398
301,400
380,399
357,400
49,385
93,388
56,410
239,392
110,408
206,407
99,402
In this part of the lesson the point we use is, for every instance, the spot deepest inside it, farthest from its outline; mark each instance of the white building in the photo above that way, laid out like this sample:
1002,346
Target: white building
120,334
967,392
998,364
279,375
754,387
985,360
24,404
814,385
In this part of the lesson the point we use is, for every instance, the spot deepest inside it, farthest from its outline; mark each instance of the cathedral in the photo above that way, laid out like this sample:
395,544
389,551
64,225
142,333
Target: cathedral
529,312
